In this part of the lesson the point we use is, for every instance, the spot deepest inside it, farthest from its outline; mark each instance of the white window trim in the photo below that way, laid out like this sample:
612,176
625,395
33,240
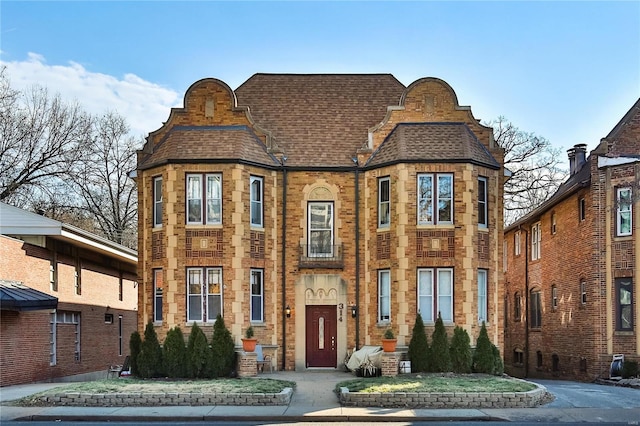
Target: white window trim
53,333
384,206
254,201
619,212
483,295
218,272
155,273
436,295
554,297
204,294
483,204
330,208
260,274
384,317
516,243
435,179
157,202
536,240
203,185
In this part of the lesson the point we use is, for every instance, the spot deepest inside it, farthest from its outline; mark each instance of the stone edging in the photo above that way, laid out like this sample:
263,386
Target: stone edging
528,399
147,399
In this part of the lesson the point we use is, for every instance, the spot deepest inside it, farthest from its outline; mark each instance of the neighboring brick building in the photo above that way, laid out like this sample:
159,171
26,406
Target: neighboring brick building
572,266
321,209
68,300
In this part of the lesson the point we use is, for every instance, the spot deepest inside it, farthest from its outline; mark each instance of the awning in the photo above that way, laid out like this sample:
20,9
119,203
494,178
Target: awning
15,296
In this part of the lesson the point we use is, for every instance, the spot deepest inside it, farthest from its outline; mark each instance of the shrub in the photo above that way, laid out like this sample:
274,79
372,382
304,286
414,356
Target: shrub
388,334
198,354
419,347
248,333
629,369
173,353
483,359
460,351
498,365
150,357
222,349
440,360
135,345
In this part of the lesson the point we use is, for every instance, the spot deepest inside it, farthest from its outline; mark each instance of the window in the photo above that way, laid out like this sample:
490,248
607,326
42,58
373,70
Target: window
538,359
256,201
384,203
555,362
53,273
204,294
517,307
582,207
77,279
257,295
158,285
554,297
624,212
624,301
120,289
65,317
583,292
482,295
483,215
435,190
505,255
435,294
518,357
553,223
516,243
108,318
535,309
157,201
204,199
536,238
52,339
320,229
120,331
384,296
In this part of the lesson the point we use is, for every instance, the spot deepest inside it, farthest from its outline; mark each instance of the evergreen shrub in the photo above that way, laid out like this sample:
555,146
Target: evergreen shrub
419,347
460,351
150,357
498,365
440,361
198,354
174,354
483,358
135,346
223,354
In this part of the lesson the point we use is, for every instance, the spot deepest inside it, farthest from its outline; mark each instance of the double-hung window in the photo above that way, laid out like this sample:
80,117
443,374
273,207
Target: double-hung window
536,238
320,229
483,213
624,212
435,198
624,301
535,309
204,294
384,296
435,294
158,286
384,203
482,296
256,195
204,199
257,295
157,201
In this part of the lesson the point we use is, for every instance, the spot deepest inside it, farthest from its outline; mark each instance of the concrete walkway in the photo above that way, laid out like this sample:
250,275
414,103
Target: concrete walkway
313,400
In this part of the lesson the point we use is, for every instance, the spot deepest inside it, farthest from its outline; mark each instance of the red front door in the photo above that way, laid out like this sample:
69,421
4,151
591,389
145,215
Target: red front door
321,334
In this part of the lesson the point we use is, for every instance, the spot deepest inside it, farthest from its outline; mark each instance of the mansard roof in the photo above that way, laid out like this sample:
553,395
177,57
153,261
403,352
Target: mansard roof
432,142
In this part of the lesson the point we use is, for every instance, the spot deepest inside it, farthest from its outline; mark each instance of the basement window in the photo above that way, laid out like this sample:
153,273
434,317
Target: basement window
108,318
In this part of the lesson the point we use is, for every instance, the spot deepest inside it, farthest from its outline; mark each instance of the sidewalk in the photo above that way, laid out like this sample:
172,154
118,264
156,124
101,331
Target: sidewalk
313,401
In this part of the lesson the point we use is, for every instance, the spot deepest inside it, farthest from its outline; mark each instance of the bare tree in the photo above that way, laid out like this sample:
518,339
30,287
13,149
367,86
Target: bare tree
102,179
535,167
40,139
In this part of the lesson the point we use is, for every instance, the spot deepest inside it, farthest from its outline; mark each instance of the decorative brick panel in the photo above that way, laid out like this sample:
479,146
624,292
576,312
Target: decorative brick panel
483,246
157,246
204,243
623,255
384,246
435,243
257,245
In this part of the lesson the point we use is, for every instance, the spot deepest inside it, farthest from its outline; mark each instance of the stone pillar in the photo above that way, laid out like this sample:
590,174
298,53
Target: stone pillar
390,362
247,364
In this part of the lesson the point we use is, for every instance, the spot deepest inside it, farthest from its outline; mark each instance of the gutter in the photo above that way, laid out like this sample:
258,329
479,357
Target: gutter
357,302
526,302
284,263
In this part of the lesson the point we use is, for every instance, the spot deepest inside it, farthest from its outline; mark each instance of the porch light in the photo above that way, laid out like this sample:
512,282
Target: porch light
287,311
354,311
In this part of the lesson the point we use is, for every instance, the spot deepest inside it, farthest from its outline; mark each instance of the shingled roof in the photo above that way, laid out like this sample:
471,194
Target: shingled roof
432,142
319,119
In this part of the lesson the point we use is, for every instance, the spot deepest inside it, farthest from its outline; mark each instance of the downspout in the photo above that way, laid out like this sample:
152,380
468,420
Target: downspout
526,302
284,263
357,202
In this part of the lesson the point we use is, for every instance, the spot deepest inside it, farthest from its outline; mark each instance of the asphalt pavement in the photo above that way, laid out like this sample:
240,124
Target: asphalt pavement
314,400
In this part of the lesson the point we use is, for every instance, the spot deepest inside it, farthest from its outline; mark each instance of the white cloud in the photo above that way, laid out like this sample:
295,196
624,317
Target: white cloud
145,105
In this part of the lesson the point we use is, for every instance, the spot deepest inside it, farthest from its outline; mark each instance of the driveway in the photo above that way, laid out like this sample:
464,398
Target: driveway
589,395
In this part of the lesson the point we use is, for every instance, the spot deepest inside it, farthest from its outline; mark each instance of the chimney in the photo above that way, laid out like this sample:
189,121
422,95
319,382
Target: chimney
572,160
581,155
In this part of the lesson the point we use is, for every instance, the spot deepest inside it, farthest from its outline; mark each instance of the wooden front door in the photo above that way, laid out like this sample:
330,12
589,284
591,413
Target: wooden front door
321,335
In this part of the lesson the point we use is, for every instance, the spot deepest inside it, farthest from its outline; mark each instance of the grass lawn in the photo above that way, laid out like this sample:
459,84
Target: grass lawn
436,383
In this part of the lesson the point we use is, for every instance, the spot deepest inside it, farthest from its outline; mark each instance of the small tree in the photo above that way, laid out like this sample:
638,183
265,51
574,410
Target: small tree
135,345
460,351
483,361
440,358
222,349
174,353
419,347
198,353
498,365
150,358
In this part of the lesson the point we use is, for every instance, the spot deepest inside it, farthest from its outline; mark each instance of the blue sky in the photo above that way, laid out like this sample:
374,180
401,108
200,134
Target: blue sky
567,71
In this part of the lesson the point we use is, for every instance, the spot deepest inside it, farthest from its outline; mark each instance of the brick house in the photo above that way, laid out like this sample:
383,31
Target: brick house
572,266
68,300
321,209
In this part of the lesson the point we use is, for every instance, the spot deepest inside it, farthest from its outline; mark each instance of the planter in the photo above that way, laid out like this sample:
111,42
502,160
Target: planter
249,345
389,345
